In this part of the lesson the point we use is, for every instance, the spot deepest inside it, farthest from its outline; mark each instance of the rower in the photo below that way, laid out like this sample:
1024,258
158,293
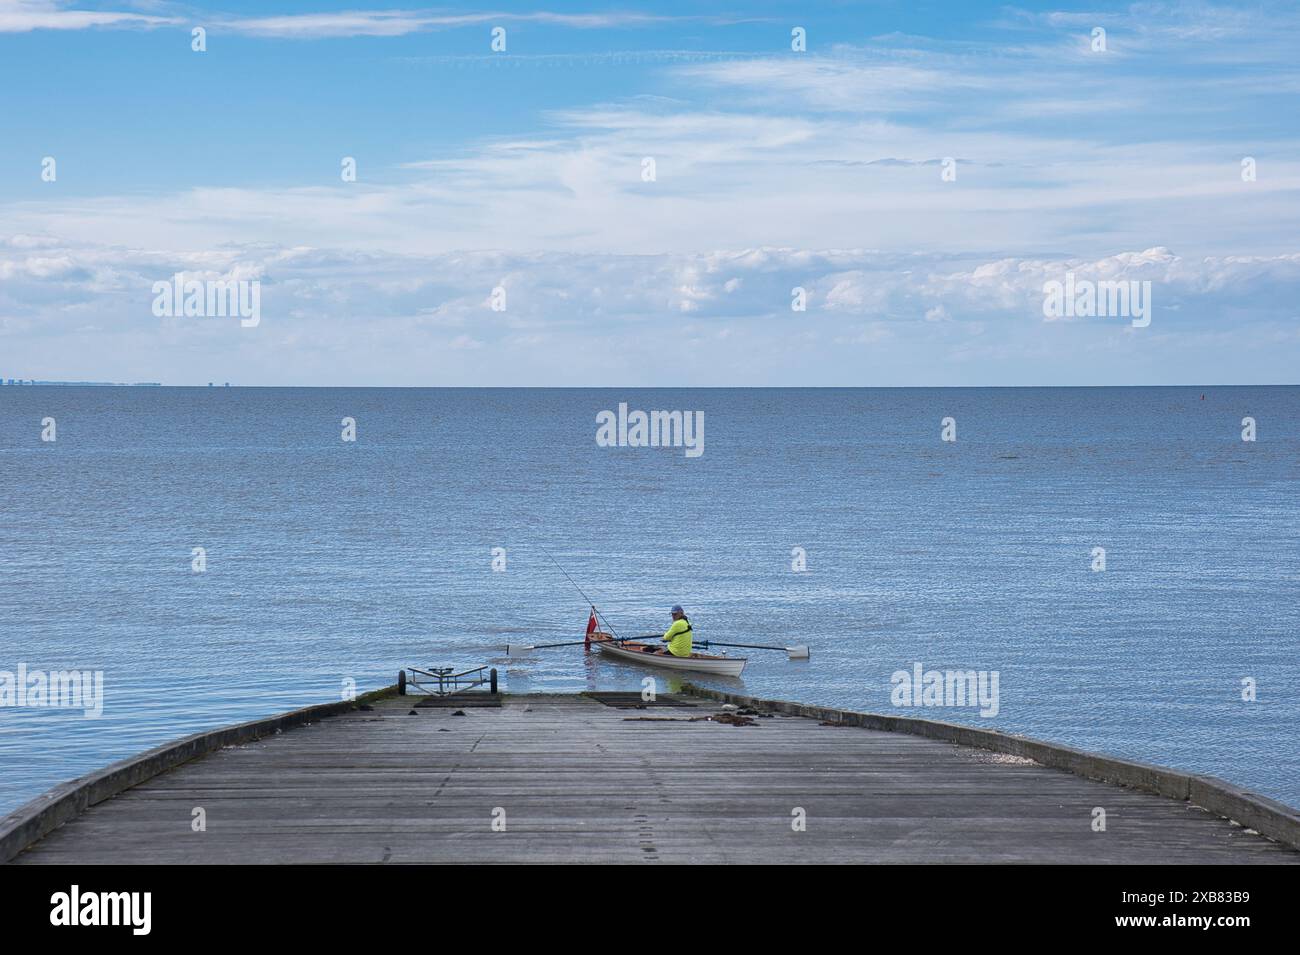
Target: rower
678,636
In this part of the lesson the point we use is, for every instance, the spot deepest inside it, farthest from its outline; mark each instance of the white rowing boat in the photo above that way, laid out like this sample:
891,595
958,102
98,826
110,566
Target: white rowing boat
653,656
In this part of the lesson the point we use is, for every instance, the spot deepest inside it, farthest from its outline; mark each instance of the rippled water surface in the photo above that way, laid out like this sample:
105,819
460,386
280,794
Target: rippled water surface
330,561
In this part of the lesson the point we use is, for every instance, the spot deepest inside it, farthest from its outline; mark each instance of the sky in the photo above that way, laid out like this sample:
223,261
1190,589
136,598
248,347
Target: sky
648,183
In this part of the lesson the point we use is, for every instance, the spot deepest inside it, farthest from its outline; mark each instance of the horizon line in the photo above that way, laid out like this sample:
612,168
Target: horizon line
50,383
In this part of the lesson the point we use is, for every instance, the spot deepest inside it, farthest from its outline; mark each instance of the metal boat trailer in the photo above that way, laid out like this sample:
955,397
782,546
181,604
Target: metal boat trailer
444,681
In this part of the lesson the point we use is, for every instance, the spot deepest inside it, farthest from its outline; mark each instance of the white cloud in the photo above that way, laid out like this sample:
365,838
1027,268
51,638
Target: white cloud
20,16
23,16
402,22
588,318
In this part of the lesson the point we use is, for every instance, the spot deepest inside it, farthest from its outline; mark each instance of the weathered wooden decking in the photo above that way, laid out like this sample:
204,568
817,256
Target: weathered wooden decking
582,781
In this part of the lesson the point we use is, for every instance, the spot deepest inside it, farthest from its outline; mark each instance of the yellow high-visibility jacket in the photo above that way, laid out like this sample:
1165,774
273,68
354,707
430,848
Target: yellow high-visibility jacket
679,638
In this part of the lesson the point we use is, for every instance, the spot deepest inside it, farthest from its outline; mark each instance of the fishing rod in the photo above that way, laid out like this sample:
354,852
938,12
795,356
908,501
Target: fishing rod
797,652
517,649
599,616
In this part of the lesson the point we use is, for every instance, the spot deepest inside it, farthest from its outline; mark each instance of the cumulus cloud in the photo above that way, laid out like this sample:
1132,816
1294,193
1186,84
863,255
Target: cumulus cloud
556,288
392,312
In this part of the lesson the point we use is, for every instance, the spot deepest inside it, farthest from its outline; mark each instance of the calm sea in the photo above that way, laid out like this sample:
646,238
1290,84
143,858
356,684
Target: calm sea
329,561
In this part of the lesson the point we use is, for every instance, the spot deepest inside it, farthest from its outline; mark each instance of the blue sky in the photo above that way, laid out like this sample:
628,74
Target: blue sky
774,169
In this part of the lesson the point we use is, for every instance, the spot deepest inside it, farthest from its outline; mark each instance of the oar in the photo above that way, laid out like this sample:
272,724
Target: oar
519,649
797,652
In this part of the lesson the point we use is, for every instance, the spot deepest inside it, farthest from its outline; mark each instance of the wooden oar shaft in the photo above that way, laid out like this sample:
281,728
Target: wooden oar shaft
571,643
746,646
714,643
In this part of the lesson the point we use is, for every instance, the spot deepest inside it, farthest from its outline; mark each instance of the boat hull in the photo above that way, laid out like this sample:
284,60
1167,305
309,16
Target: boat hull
696,662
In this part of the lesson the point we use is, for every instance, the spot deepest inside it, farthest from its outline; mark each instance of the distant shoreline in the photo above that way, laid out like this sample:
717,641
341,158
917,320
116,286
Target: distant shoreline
31,382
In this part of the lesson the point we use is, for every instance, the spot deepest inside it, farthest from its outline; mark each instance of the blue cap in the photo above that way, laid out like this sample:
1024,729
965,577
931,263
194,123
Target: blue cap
677,608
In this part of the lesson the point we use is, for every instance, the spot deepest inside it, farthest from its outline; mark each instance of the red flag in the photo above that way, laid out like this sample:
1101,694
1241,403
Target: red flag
591,628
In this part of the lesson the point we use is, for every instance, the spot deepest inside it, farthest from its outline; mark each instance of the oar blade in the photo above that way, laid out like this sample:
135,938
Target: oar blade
517,649
799,652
